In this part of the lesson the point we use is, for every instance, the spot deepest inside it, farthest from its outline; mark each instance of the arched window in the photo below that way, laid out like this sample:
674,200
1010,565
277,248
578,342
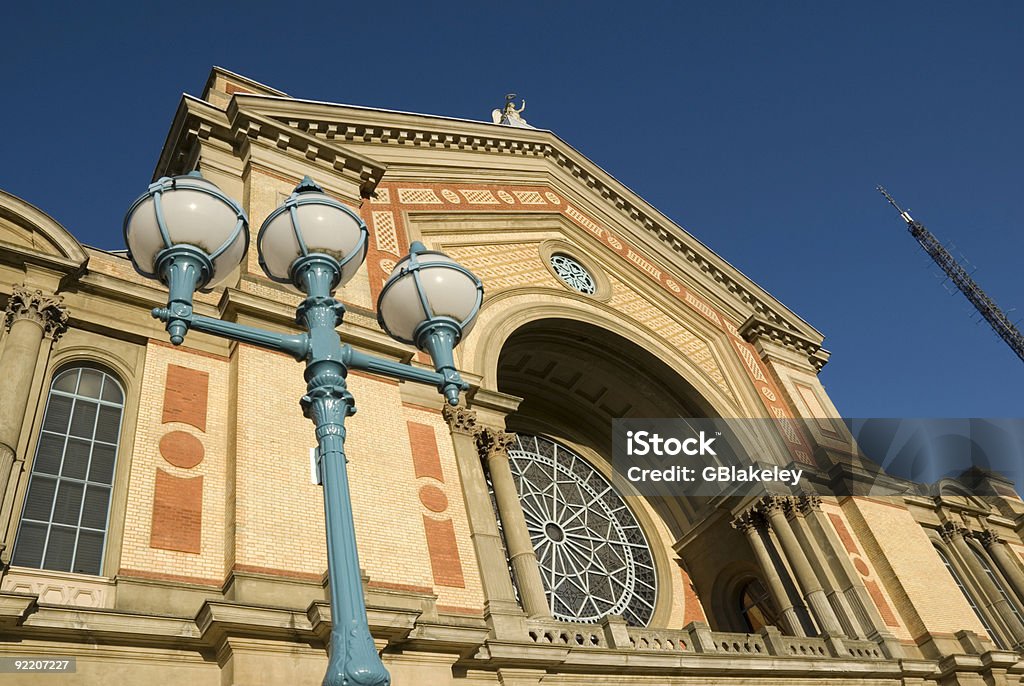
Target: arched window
64,520
970,598
756,606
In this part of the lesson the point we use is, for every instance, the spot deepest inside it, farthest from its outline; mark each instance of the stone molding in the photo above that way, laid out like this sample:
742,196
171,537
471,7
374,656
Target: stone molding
48,311
756,328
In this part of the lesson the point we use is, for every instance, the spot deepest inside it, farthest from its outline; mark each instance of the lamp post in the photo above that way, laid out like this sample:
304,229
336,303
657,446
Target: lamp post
185,232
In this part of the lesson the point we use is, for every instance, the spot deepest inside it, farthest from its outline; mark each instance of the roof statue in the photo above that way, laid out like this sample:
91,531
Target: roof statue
509,115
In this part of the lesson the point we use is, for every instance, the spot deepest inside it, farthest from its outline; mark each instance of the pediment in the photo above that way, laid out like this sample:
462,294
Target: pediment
27,230
359,144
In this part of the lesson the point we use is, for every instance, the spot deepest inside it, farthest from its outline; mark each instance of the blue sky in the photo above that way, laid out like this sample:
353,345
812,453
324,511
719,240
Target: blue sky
762,128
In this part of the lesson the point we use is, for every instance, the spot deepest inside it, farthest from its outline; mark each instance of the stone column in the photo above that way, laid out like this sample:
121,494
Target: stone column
803,508
31,317
1005,559
493,447
500,605
954,534
747,524
773,508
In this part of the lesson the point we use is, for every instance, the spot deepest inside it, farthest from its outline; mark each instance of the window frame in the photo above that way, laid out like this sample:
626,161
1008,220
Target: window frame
62,481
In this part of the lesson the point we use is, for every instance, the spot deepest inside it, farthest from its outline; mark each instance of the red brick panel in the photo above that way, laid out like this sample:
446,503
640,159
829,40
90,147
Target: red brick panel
693,611
425,457
883,607
182,449
844,533
177,513
433,498
444,552
185,396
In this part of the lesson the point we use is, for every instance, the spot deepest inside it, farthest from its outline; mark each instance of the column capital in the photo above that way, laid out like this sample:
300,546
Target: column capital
48,311
770,504
988,537
808,503
493,442
747,521
951,530
460,420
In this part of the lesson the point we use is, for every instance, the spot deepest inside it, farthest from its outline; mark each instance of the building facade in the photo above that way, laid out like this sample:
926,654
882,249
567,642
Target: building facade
159,522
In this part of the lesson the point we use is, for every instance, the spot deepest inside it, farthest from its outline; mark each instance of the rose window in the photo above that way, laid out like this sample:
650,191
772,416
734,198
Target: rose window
594,558
574,274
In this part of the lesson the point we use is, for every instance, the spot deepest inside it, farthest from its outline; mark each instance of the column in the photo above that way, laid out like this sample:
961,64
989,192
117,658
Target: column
954,534
493,447
773,508
803,507
500,605
848,578
747,524
1005,559
30,318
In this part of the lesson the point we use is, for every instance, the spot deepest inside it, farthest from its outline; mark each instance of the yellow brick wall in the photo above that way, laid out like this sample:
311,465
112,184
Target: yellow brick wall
136,553
902,555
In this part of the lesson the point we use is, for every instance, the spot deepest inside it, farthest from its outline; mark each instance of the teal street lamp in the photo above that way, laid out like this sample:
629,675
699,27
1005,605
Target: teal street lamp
185,232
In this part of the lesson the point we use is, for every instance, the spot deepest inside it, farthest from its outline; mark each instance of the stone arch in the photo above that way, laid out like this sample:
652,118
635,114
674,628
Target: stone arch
27,229
504,314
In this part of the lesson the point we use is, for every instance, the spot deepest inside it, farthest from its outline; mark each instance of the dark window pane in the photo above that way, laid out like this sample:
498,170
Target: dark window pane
108,423
102,466
48,454
67,381
111,391
69,503
76,458
83,419
90,384
90,550
39,501
29,550
94,509
60,549
58,411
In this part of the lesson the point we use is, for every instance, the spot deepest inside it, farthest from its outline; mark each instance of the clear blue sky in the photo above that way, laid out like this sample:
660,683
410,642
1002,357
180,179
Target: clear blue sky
762,128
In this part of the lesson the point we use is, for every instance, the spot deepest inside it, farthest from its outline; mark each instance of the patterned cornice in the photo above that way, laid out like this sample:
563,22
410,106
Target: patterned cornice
48,311
755,328
304,126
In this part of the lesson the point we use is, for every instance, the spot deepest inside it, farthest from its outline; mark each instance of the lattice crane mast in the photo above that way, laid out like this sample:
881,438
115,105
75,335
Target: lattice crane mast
996,318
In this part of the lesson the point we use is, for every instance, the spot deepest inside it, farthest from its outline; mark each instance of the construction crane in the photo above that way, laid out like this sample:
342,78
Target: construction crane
996,318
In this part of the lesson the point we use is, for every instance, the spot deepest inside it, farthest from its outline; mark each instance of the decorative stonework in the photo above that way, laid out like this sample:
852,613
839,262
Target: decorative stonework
951,530
460,419
48,311
493,442
988,537
504,276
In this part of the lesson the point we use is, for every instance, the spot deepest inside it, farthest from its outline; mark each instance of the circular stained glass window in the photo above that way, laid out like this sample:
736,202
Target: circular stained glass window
594,558
574,274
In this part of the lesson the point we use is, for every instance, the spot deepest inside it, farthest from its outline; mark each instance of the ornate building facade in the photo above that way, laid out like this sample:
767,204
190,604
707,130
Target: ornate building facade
159,523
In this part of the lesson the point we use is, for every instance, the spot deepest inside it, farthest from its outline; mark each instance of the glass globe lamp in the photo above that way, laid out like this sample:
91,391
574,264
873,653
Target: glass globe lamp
311,225
428,289
186,215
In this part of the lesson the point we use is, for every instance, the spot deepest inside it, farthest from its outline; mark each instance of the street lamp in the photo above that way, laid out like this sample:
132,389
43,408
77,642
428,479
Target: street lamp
185,232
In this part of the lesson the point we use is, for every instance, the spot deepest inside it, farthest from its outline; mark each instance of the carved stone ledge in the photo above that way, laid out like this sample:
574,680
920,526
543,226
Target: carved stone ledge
755,328
48,311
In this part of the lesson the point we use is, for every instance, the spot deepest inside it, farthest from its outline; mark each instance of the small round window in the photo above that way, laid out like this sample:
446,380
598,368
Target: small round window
573,274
